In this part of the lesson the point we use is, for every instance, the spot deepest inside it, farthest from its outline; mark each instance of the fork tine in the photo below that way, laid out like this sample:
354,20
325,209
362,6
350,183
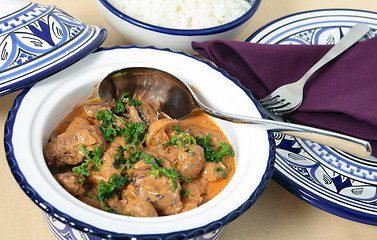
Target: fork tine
269,99
284,109
280,106
281,113
273,101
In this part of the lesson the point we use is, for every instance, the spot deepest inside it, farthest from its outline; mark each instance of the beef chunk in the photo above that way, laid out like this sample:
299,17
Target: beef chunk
70,182
107,168
140,208
64,149
159,191
214,171
90,108
195,190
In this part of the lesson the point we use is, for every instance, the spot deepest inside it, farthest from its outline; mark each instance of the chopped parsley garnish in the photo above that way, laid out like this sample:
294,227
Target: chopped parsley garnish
134,157
80,180
154,173
91,157
106,120
121,106
158,171
82,169
118,180
184,193
224,172
170,173
131,102
132,131
148,159
173,175
106,189
184,140
180,139
118,158
214,154
89,195
178,130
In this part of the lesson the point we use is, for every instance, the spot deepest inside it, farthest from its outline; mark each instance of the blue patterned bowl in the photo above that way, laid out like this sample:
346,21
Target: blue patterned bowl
39,109
145,34
37,41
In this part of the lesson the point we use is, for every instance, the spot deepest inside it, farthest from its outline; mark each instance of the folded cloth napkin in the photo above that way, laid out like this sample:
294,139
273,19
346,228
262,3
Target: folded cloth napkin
341,96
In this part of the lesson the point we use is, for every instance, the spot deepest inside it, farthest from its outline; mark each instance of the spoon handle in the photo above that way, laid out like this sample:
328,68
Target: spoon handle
342,142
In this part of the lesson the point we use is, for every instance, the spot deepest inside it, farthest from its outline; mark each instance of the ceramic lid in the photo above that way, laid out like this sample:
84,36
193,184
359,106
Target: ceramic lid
38,40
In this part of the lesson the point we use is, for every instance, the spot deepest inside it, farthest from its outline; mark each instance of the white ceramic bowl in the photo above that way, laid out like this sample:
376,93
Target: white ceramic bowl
39,109
37,41
144,34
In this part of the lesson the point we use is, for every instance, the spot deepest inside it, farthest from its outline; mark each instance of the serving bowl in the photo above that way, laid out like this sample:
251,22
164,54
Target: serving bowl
39,109
38,40
145,34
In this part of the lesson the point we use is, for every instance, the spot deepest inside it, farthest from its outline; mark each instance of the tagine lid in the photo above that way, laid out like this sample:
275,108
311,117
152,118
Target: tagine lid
38,40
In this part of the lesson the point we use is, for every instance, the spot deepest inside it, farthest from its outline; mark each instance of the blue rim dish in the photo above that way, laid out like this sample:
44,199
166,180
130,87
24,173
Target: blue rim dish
326,178
92,231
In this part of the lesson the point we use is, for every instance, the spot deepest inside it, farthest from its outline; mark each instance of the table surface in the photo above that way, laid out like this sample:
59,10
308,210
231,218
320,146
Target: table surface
276,215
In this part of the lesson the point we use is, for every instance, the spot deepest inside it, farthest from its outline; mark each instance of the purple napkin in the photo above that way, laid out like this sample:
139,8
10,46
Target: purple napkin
341,96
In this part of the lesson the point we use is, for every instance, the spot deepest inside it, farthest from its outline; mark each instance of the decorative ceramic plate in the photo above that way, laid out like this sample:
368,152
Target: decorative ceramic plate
324,177
37,110
37,41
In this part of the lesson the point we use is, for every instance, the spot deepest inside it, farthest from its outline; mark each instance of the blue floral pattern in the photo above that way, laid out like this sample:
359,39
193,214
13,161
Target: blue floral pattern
63,231
329,179
39,40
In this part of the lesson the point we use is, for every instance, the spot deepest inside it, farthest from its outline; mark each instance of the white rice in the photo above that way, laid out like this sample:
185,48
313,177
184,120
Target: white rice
183,14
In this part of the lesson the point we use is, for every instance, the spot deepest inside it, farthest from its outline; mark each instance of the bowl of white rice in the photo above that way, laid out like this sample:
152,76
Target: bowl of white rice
174,24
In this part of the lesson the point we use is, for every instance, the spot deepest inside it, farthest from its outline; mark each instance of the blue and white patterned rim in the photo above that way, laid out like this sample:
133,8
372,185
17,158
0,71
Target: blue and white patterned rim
331,180
39,40
62,231
83,227
184,32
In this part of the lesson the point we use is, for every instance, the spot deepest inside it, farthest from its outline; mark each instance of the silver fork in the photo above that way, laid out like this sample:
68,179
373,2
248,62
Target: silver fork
288,98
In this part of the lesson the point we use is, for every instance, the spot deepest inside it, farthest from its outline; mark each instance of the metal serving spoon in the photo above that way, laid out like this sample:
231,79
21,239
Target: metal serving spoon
178,100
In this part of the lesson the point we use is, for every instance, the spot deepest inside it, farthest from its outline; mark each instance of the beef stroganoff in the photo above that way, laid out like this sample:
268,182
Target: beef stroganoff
127,157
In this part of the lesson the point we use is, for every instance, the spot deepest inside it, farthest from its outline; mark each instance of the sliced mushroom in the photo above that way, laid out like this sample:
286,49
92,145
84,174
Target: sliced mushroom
157,132
147,113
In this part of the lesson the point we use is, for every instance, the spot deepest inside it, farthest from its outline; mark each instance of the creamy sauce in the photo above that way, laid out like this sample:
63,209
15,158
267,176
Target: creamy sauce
206,124
146,194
